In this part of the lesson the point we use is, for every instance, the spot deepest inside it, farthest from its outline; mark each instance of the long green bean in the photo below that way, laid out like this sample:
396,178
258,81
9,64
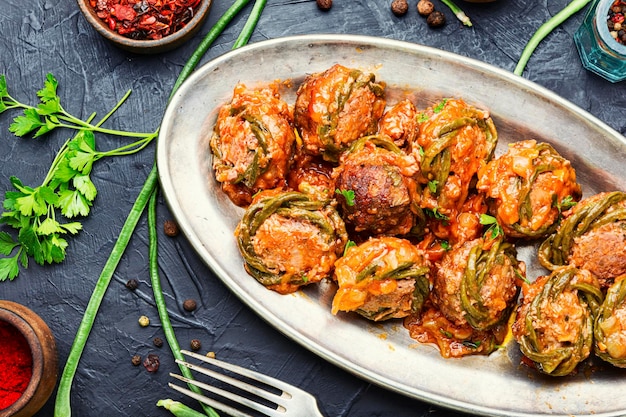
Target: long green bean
63,402
62,405
159,300
544,30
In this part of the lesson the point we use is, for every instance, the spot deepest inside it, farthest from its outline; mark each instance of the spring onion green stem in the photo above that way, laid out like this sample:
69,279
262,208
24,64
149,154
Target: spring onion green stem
62,406
460,14
544,30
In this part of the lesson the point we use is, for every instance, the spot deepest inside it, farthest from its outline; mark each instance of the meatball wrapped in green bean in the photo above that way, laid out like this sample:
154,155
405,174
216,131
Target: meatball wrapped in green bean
252,143
610,325
527,188
454,140
289,239
382,278
336,107
591,236
477,283
554,324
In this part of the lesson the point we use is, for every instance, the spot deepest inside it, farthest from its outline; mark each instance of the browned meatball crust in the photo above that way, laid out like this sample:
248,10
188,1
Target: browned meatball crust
336,107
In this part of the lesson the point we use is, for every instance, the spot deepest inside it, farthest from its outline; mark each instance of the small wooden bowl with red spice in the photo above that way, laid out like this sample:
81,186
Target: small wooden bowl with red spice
146,26
28,361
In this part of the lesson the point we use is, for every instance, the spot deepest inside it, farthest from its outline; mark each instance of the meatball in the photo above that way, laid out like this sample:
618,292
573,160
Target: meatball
527,188
591,236
610,325
252,143
382,278
375,187
289,239
554,324
336,107
476,283
454,140
399,123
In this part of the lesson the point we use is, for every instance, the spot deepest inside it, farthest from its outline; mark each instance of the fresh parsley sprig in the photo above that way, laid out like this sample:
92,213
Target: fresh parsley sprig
494,229
43,215
49,114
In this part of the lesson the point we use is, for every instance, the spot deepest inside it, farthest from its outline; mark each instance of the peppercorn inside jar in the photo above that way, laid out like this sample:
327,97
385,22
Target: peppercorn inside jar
600,52
615,21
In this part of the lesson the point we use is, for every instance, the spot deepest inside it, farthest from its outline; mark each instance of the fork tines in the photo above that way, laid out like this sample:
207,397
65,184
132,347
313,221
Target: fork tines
277,400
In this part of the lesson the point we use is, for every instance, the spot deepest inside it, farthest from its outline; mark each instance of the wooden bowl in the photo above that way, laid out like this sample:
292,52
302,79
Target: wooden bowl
45,360
164,44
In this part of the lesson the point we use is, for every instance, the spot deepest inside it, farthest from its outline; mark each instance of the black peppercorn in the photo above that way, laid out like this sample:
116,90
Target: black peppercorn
189,305
132,284
158,342
136,360
195,344
436,19
170,228
399,7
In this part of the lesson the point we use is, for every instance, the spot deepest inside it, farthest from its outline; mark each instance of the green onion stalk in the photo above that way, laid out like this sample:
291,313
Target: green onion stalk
63,403
544,30
460,14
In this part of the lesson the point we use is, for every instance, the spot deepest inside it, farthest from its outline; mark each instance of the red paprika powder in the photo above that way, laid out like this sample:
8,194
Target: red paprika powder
16,364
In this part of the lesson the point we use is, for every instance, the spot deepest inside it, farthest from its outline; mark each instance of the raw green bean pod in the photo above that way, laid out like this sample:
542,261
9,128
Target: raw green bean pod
609,328
295,208
498,259
591,214
564,307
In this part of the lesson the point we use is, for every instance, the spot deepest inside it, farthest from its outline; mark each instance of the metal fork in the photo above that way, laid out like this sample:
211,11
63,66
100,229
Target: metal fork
289,401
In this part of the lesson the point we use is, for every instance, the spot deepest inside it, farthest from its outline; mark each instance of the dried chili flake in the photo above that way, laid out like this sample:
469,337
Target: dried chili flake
145,19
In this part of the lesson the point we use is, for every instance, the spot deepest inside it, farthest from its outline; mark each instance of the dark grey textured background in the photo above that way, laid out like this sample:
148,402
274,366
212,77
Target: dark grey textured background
41,36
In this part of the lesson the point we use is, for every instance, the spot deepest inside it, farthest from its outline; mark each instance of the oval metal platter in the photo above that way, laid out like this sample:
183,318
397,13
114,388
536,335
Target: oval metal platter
384,354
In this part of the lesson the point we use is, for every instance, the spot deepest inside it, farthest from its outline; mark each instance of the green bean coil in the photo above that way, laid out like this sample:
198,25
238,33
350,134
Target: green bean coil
609,328
555,327
296,211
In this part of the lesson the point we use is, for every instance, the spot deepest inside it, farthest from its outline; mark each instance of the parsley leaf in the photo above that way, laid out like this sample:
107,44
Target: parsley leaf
432,186
440,106
34,211
348,195
494,228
